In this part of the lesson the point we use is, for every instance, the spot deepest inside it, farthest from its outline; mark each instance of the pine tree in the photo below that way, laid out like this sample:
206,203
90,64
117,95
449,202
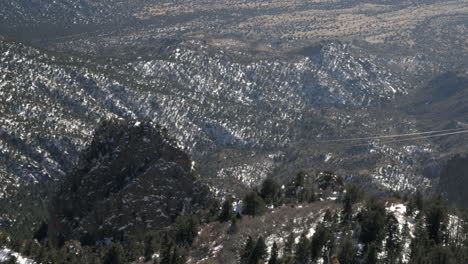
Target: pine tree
303,250
352,196
270,191
150,247
186,229
392,242
227,211
115,255
11,260
177,258
166,250
440,254
247,251
372,221
371,254
259,252
288,246
436,220
419,200
347,251
274,255
320,239
299,180
254,204
233,227
420,242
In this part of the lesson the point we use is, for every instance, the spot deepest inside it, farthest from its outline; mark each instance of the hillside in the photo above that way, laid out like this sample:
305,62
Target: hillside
279,113
131,178
240,131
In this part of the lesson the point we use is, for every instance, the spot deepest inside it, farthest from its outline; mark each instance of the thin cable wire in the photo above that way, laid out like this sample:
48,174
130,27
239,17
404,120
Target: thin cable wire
390,136
418,138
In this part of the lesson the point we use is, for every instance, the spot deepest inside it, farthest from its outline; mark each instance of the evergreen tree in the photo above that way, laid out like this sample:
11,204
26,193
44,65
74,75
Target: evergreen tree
150,247
134,249
227,211
347,251
247,251
372,221
270,191
371,254
274,255
305,195
233,227
259,252
320,239
352,196
416,202
166,250
115,255
254,204
419,243
177,258
299,180
12,260
392,242
442,255
303,250
288,246
186,229
436,220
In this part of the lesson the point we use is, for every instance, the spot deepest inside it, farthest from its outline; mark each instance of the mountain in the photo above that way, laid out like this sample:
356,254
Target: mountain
262,118
131,178
216,131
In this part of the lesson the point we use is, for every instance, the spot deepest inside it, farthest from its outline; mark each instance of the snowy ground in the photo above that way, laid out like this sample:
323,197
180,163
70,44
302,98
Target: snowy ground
6,254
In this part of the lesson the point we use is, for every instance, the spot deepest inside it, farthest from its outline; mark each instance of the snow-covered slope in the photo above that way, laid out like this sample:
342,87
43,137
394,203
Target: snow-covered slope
221,106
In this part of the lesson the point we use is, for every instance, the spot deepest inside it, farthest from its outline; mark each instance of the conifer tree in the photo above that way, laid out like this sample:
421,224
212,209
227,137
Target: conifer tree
270,191
254,204
436,220
227,211
177,258
392,242
288,246
320,239
150,247
372,221
347,251
166,250
303,250
420,242
115,255
186,229
233,227
352,196
371,254
247,251
259,252
274,254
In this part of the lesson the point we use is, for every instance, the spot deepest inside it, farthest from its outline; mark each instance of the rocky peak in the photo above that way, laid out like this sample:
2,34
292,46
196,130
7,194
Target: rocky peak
132,177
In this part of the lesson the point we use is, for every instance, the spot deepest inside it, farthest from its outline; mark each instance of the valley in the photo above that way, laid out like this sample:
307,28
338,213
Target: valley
127,126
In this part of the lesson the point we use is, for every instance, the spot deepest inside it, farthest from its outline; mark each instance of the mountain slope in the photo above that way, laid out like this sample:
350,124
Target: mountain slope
243,118
131,178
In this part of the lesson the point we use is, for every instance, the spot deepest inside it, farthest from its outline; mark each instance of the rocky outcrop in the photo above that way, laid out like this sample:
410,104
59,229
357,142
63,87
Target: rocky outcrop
132,178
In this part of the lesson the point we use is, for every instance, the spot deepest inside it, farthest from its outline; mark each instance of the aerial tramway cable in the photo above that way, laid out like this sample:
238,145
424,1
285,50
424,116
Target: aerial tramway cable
398,135
418,138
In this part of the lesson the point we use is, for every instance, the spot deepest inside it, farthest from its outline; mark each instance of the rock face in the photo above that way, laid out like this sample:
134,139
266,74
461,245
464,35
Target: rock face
131,178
